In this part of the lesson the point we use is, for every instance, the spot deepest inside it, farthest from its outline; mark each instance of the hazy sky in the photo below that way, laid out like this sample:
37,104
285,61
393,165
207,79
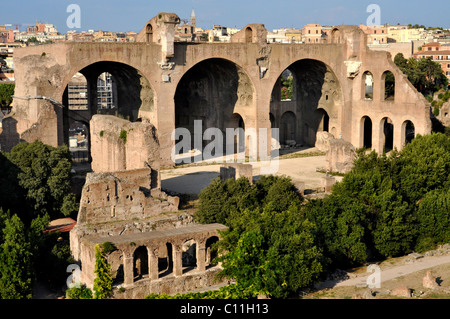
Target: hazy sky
122,15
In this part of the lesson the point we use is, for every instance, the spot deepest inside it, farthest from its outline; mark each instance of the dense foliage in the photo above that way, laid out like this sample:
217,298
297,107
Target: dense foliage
81,292
231,291
103,280
6,93
43,174
35,188
267,236
388,205
16,274
426,75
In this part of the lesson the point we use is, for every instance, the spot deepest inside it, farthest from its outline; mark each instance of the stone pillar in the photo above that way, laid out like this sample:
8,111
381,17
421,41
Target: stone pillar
377,136
152,265
398,142
166,122
128,271
327,183
177,261
201,257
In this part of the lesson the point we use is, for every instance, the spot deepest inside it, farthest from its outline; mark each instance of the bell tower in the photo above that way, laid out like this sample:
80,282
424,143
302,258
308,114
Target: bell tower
193,20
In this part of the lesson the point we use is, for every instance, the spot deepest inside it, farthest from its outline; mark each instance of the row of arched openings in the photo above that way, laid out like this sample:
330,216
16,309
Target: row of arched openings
386,130
166,260
387,86
211,91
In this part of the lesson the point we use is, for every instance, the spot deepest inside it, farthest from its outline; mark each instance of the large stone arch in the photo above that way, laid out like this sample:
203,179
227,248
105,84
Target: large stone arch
127,77
133,91
317,92
213,91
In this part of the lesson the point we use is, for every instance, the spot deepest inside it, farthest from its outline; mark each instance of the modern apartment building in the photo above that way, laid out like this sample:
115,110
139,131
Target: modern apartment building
312,33
439,53
375,34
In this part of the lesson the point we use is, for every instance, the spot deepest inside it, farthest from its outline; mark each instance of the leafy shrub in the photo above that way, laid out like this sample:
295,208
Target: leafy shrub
221,198
103,281
434,219
123,136
81,292
6,93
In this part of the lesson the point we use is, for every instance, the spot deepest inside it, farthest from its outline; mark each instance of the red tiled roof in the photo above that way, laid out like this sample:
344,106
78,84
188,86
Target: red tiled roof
62,225
447,52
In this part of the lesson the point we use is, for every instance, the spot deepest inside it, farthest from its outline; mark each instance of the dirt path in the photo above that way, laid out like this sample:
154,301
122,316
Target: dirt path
389,273
408,270
191,180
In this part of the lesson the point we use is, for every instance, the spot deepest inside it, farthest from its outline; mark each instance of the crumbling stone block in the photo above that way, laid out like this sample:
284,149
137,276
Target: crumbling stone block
323,141
117,144
327,183
122,195
236,171
429,281
340,156
401,291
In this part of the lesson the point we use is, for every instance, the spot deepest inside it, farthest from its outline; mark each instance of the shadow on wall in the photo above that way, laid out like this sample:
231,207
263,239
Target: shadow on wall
192,183
9,137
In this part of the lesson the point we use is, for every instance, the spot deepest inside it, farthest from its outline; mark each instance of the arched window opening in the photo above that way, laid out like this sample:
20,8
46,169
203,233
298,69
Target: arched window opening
287,85
409,132
248,35
189,255
149,33
106,92
140,263
366,132
368,86
79,142
324,125
211,252
288,128
165,260
387,135
239,137
389,86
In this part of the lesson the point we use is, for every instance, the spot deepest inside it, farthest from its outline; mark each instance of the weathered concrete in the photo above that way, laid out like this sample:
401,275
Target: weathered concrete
236,171
340,156
117,145
237,84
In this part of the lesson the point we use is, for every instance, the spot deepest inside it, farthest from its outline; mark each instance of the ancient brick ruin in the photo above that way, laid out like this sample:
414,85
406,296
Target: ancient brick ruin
225,85
159,249
163,85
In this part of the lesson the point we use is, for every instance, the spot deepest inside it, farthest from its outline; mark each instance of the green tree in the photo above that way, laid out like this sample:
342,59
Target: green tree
103,281
220,198
44,175
422,166
287,87
434,219
6,93
16,273
81,292
11,194
426,75
340,229
270,251
33,40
